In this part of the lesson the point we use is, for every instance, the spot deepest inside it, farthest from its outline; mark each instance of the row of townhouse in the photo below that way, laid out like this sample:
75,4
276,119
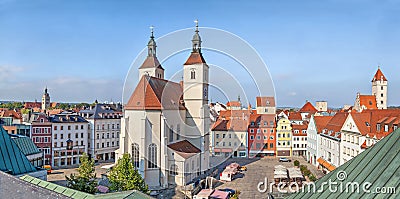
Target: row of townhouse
260,132
242,132
64,137
332,141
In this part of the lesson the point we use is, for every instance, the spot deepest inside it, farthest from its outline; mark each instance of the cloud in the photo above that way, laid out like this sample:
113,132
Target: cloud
292,93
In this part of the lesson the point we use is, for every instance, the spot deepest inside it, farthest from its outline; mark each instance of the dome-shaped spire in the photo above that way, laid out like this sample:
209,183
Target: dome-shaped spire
151,46
196,41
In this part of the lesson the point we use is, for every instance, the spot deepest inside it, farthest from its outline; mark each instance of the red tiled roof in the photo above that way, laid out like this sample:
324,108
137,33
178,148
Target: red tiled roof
335,124
265,101
195,58
151,62
321,121
10,113
233,103
369,101
364,144
32,105
308,108
184,148
300,127
294,116
156,94
379,75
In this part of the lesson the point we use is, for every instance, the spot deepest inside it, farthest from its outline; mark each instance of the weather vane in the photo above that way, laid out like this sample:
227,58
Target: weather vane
152,30
197,24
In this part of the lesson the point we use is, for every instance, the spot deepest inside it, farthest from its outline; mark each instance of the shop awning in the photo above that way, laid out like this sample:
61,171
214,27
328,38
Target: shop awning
326,164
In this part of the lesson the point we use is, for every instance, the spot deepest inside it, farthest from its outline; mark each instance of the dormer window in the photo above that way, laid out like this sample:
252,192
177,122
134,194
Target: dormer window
378,127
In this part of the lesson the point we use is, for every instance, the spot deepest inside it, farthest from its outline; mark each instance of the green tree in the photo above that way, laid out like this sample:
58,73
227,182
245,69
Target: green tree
86,179
123,176
296,163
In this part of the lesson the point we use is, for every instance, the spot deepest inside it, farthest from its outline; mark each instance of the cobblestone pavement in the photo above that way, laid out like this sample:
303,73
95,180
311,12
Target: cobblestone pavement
259,170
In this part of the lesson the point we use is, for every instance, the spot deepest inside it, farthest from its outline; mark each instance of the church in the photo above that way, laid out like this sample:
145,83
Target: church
166,124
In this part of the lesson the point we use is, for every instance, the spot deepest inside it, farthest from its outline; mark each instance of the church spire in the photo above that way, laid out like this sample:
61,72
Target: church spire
151,46
196,41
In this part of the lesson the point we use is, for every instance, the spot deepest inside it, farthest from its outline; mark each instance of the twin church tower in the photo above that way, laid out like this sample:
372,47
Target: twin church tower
166,124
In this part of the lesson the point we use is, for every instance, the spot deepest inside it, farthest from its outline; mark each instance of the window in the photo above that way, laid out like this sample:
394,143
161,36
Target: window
178,131
108,135
55,136
381,87
386,128
223,135
55,144
81,135
62,127
135,155
98,145
192,74
258,137
251,130
62,144
271,145
81,126
76,127
258,146
76,135
69,127
230,135
55,128
271,137
108,144
217,135
381,94
82,143
173,170
378,127
102,145
98,136
171,134
152,156
251,137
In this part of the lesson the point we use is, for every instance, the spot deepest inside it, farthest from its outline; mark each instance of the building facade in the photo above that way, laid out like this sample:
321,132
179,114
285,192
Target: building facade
299,139
70,139
105,128
284,138
42,136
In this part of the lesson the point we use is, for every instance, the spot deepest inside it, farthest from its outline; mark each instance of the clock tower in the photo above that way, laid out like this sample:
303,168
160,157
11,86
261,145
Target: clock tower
195,96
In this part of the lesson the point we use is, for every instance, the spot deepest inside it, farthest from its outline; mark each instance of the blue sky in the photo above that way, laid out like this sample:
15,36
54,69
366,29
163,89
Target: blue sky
82,50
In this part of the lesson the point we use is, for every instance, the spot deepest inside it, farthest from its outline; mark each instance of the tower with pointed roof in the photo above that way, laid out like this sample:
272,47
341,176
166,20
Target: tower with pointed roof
45,100
151,66
379,89
195,96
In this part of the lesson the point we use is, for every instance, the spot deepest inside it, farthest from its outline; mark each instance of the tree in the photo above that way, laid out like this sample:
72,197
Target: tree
123,176
296,163
86,179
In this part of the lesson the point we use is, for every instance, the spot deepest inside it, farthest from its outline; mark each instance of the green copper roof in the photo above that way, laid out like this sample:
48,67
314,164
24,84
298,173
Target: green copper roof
12,160
133,194
376,168
25,144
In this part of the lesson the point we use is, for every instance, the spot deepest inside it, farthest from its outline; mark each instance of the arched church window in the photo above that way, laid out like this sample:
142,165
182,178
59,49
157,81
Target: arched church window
193,74
152,156
135,155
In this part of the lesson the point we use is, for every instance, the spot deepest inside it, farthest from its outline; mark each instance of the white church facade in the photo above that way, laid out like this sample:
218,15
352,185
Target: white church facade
166,125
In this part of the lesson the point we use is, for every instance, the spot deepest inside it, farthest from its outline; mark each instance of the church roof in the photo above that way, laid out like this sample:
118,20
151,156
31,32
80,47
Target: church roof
184,148
379,75
155,94
12,160
308,108
377,166
195,58
151,62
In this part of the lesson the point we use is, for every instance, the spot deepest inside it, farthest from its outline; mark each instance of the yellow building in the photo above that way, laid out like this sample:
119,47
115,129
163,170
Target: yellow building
284,138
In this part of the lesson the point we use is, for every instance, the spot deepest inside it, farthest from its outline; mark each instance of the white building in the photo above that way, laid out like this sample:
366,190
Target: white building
317,123
161,113
105,128
70,139
299,139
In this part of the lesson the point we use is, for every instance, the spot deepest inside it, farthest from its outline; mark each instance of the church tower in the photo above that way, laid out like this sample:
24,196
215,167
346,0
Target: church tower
151,66
195,96
379,89
45,100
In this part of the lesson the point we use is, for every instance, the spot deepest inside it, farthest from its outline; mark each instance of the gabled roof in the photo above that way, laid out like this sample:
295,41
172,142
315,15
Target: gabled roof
151,62
156,94
321,121
101,111
377,166
10,113
308,108
335,124
265,101
195,58
378,76
295,116
369,101
12,160
184,148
